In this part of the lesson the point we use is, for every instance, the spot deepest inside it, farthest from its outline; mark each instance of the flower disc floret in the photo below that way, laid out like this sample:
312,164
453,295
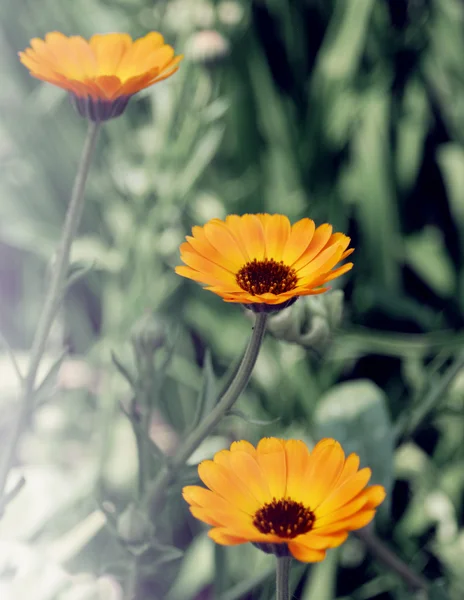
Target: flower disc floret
285,518
262,261
266,276
283,498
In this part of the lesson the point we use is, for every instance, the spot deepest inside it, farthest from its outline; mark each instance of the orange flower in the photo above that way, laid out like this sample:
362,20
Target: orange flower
102,74
284,498
262,261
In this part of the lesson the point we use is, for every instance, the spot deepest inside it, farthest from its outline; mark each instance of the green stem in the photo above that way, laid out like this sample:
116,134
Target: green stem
130,592
282,577
431,400
224,404
389,558
52,301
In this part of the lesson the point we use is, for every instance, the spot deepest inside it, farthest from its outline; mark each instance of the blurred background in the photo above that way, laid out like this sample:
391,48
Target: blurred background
346,111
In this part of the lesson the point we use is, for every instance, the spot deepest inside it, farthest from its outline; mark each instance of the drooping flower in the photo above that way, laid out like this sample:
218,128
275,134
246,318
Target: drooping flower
262,261
283,498
103,73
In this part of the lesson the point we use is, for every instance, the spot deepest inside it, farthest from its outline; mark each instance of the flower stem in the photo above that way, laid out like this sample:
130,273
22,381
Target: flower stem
282,577
52,301
430,401
393,562
224,404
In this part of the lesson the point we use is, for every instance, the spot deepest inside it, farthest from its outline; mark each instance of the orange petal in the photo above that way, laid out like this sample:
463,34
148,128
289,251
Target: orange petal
320,238
225,538
338,239
201,244
247,468
135,59
339,272
312,292
253,236
304,554
234,224
347,253
198,276
204,515
228,484
245,501
276,231
298,241
344,493
239,523
341,514
375,495
322,542
225,244
272,460
350,467
203,265
109,85
323,471
324,261
297,454
356,521
109,50
243,446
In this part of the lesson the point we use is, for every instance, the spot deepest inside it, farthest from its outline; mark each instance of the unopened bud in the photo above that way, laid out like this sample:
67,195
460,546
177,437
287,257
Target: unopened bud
148,334
134,528
310,321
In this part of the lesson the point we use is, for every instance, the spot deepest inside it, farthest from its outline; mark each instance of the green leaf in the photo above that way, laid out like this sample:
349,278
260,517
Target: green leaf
156,556
196,570
48,383
412,129
123,370
90,249
355,414
345,38
321,581
426,253
79,272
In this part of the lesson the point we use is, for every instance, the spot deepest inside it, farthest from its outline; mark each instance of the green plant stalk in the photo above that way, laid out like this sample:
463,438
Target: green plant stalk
282,577
52,301
393,562
431,400
224,404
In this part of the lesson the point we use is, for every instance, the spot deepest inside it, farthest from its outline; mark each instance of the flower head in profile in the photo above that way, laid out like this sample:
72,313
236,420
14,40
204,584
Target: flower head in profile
103,73
262,261
283,498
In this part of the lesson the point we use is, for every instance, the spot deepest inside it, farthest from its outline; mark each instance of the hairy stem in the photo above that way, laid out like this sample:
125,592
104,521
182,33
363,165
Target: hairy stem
389,558
52,300
224,404
282,577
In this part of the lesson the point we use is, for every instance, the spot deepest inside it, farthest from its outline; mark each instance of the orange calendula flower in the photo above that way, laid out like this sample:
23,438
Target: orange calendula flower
283,498
262,261
103,73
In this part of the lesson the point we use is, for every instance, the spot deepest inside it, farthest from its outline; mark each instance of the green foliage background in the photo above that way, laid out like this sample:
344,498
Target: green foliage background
347,111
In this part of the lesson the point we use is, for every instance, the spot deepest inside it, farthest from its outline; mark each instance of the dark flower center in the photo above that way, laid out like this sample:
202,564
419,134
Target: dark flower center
285,518
266,276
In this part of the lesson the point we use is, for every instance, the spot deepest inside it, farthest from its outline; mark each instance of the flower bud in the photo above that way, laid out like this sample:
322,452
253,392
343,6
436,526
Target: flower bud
148,334
133,527
310,322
